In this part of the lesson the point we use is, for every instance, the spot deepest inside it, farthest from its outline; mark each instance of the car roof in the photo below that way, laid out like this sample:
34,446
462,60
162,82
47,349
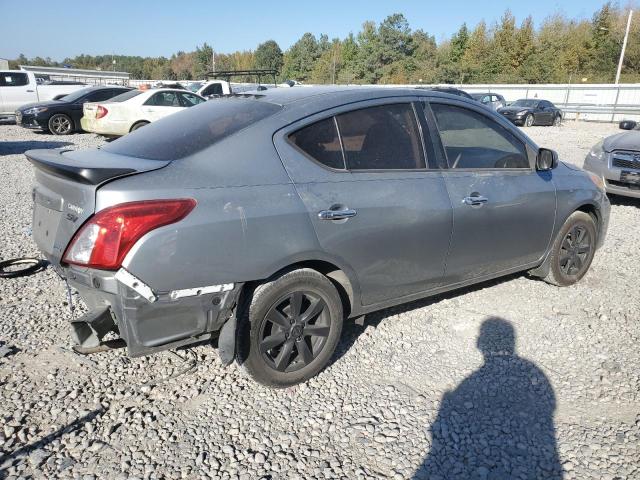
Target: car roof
294,95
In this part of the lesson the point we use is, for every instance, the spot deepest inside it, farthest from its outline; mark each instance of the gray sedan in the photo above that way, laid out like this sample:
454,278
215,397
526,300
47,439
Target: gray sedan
616,160
266,220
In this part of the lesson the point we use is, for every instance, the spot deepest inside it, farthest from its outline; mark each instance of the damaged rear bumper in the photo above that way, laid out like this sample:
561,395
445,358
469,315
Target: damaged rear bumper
146,320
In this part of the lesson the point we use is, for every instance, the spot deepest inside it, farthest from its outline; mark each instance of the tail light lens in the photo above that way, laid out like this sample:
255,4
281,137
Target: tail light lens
101,112
107,237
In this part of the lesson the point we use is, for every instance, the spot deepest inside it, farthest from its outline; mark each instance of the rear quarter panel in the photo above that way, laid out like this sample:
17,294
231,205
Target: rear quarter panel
249,221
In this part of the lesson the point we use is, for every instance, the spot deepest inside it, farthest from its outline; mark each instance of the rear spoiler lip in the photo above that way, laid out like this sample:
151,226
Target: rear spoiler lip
53,162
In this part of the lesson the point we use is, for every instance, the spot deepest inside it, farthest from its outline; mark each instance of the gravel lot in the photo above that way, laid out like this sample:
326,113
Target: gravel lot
408,395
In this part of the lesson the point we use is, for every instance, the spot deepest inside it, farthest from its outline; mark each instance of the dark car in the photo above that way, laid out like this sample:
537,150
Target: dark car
529,112
62,116
268,220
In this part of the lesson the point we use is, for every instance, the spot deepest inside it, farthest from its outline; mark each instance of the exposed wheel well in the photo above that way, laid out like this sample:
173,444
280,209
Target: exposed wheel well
331,271
593,213
138,123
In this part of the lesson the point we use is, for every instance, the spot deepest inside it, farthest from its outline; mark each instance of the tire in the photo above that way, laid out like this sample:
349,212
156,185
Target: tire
568,260
60,124
557,121
290,353
528,121
138,125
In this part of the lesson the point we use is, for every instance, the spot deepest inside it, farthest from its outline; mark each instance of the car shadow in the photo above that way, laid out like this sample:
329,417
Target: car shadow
351,330
15,456
623,201
16,148
498,422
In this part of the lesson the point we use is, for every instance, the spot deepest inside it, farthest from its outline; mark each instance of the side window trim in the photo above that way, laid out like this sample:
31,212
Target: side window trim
344,158
434,133
502,128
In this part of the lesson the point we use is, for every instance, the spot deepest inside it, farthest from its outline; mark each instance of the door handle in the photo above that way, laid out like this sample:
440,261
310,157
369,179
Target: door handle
336,214
30,91
475,200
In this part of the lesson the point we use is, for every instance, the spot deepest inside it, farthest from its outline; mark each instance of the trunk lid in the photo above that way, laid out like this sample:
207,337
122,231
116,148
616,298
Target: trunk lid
89,110
65,191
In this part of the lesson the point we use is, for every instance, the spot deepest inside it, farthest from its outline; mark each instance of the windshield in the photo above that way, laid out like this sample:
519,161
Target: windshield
195,86
77,95
478,96
125,96
525,103
192,130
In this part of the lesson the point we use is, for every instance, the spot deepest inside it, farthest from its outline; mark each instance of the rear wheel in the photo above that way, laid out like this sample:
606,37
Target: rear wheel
573,250
138,125
60,124
528,121
290,329
557,121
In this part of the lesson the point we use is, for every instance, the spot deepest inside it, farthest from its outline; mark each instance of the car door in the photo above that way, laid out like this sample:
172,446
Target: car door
375,204
503,209
161,104
16,91
546,112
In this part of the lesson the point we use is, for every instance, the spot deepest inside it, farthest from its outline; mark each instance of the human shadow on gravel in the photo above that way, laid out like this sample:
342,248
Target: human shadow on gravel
498,423
16,148
7,459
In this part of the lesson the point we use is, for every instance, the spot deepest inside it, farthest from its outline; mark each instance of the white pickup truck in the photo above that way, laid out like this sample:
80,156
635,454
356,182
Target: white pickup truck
18,87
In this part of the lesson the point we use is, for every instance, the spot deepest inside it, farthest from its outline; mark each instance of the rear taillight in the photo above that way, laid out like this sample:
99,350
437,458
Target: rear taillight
101,112
107,237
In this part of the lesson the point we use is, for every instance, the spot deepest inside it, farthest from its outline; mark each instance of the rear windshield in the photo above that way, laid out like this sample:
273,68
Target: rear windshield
192,130
125,96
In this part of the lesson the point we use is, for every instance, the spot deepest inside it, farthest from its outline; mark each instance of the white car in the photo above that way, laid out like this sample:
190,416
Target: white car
19,87
137,108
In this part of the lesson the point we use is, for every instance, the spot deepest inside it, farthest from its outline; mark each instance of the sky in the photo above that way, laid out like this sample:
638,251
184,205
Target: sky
160,28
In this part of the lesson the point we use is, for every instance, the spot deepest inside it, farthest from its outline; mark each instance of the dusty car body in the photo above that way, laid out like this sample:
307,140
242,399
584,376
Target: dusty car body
616,160
269,218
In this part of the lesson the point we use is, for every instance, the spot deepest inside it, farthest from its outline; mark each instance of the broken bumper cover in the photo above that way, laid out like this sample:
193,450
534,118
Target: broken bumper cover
147,321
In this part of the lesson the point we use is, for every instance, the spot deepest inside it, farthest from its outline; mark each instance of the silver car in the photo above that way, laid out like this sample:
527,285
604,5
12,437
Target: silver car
616,160
266,220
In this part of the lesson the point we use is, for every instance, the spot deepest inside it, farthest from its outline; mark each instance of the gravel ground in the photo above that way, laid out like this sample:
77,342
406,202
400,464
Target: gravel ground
509,379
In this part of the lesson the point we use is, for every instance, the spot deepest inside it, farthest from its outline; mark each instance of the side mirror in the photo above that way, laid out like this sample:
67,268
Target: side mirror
546,160
627,125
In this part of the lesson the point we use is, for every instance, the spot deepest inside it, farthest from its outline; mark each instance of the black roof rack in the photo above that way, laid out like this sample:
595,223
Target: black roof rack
259,73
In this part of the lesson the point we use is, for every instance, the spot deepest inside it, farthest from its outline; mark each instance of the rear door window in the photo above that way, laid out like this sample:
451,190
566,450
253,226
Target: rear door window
320,141
384,137
13,79
164,99
473,140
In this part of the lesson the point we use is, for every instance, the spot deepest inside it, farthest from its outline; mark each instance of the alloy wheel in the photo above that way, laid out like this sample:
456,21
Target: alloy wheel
575,250
60,125
529,120
294,331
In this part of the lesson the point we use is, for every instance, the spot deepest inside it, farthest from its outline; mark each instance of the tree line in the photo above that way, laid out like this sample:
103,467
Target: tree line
559,50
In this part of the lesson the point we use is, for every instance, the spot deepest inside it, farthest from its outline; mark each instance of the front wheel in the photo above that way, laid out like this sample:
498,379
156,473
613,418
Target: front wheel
573,250
528,121
557,121
60,124
290,329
